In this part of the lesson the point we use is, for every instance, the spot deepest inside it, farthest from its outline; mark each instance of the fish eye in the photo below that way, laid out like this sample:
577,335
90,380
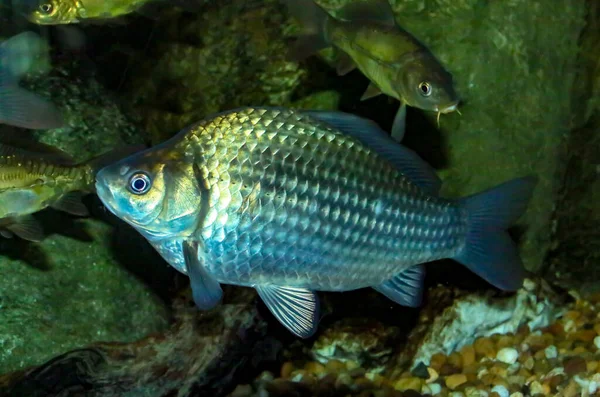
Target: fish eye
425,88
46,8
139,183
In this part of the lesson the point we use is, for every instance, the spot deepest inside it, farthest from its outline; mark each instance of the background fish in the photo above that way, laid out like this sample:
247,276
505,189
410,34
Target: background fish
34,176
18,106
367,37
291,202
57,12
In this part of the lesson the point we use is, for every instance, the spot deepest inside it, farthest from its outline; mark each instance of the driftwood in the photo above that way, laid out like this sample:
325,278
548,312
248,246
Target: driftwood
200,354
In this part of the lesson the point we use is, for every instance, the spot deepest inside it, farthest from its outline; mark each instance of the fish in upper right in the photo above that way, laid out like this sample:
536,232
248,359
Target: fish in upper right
367,37
19,107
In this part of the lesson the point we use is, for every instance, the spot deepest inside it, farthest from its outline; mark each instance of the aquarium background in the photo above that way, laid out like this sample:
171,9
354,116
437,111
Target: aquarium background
93,309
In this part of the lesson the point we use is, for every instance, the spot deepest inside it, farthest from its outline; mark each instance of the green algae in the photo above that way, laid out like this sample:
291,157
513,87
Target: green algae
71,290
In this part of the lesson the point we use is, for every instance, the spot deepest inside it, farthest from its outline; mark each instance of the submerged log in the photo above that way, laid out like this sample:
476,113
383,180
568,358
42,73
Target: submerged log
201,353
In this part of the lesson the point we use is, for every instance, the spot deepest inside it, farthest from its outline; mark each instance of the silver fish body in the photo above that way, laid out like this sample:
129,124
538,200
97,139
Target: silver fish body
291,202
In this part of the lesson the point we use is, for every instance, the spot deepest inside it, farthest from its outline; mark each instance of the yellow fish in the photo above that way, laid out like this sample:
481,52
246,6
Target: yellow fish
58,12
367,37
34,176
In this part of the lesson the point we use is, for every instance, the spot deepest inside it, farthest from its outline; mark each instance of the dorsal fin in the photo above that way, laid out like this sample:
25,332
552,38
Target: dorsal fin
378,11
370,134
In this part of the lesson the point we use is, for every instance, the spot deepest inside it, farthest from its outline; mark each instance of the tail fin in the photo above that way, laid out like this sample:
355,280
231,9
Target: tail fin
18,106
313,17
489,251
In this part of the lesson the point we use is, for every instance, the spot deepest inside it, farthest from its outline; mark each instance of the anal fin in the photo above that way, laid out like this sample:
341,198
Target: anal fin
344,63
371,92
206,290
296,308
406,288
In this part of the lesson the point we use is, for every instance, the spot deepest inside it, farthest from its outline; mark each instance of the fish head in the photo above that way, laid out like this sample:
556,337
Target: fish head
157,193
425,84
50,12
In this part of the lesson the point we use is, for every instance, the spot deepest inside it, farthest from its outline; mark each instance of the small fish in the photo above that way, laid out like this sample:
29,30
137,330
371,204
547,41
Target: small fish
19,107
34,176
290,202
367,37
59,12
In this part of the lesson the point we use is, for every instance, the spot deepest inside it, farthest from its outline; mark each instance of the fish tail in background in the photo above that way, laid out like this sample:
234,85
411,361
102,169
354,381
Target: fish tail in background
18,106
313,17
489,250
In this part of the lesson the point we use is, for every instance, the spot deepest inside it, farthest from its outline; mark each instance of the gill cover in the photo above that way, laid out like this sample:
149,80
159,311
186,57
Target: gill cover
183,198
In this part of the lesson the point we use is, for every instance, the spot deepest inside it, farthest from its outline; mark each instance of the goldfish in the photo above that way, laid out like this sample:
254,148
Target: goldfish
366,36
291,202
19,107
60,12
34,176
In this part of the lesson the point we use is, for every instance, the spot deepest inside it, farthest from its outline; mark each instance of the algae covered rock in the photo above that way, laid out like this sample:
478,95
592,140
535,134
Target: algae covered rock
71,289
198,355
365,342
575,256
472,316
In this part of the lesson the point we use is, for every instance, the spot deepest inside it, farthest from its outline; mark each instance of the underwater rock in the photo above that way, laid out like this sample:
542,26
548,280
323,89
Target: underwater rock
228,55
447,328
71,289
201,354
365,342
575,256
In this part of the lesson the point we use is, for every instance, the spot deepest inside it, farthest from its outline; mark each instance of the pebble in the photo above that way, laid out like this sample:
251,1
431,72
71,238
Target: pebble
507,355
551,352
411,383
468,355
433,375
574,365
475,392
562,359
453,381
435,388
500,390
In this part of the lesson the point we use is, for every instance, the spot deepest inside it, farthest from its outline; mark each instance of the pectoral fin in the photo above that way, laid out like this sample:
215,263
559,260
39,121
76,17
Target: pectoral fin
296,308
206,290
345,64
399,124
26,227
406,288
371,91
71,203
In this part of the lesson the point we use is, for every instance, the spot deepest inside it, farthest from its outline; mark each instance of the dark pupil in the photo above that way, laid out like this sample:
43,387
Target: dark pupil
425,88
139,184
46,7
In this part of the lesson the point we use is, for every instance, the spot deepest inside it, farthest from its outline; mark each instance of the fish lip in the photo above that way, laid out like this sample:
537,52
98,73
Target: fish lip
448,109
106,196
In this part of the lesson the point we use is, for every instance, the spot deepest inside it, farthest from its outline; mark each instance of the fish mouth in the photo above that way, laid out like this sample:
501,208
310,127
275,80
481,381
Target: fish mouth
448,109
106,196
453,107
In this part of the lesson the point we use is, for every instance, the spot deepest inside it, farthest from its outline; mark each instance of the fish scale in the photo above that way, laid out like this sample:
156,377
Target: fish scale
308,188
293,201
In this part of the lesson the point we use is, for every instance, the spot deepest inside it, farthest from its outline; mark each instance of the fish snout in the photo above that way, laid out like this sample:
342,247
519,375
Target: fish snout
448,109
